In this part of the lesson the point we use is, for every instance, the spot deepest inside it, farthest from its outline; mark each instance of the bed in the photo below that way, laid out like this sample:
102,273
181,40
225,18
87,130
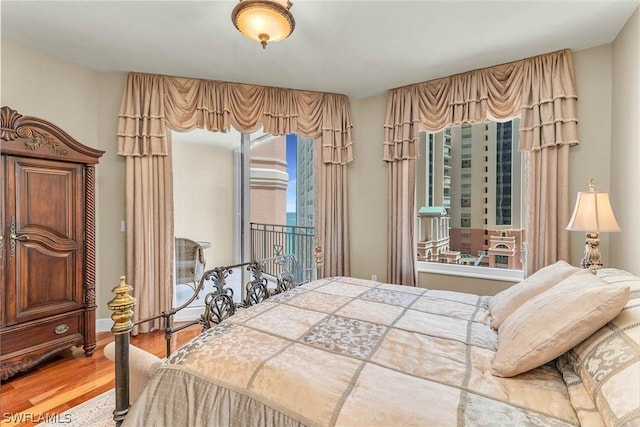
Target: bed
351,352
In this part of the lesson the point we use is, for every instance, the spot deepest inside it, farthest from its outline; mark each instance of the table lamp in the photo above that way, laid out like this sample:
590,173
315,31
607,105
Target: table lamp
592,214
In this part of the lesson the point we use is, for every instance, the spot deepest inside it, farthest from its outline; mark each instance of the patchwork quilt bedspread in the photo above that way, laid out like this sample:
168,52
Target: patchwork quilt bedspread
351,352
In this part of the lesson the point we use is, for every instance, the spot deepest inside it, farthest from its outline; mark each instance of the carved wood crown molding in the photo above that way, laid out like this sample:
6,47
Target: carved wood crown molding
34,138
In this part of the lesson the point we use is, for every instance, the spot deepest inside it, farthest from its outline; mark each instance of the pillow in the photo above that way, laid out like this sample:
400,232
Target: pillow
608,362
551,323
507,301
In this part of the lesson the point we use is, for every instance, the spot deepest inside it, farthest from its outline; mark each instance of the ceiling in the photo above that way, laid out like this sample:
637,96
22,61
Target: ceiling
358,48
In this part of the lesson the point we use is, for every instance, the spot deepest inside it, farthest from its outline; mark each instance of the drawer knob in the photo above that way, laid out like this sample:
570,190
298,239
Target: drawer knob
62,329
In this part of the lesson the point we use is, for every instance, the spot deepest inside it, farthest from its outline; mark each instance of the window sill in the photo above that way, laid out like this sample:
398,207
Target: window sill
488,273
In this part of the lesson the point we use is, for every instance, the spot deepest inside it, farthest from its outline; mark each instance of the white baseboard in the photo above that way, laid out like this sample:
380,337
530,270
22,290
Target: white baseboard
104,325
187,314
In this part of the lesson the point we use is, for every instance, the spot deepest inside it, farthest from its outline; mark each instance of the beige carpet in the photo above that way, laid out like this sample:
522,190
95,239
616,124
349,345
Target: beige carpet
96,412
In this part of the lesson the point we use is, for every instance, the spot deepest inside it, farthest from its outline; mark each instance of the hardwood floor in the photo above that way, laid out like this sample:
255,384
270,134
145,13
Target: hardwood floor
69,378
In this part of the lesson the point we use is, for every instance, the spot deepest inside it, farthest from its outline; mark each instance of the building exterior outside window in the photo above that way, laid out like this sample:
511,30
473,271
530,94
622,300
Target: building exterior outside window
269,180
474,173
305,183
283,200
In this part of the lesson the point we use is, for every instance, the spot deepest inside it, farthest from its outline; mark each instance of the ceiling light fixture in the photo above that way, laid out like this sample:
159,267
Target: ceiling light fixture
264,20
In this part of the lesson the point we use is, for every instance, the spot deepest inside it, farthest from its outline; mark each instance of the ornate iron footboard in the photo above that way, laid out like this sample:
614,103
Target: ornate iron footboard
219,305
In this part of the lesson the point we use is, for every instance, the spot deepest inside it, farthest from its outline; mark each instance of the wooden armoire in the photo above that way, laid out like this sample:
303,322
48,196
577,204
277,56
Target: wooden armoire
47,223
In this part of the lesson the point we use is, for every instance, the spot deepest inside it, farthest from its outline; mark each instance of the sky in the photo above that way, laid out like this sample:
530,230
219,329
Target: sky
291,170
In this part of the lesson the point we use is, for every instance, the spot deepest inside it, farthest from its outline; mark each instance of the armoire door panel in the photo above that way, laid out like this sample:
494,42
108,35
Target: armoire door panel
45,283
48,198
44,203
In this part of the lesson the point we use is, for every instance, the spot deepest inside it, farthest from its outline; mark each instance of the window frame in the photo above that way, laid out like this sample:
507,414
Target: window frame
461,270
472,271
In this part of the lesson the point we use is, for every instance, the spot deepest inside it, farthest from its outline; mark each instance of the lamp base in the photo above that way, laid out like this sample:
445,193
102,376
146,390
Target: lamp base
591,258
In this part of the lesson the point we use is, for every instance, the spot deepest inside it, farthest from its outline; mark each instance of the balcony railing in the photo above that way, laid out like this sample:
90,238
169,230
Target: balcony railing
269,239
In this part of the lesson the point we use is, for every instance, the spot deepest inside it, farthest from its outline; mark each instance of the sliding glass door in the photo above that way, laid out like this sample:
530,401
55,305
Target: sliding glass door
240,197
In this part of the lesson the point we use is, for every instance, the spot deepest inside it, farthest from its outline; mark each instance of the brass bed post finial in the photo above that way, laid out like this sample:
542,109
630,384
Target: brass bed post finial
121,305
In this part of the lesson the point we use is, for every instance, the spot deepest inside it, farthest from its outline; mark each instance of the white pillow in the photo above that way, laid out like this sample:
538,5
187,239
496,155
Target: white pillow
554,321
507,301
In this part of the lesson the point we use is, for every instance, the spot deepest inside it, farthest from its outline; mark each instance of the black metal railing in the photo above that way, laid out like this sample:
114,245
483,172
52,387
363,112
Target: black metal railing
268,240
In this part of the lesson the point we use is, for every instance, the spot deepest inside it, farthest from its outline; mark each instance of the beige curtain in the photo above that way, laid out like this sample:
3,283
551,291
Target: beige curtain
401,150
400,257
541,90
332,202
153,103
547,181
149,197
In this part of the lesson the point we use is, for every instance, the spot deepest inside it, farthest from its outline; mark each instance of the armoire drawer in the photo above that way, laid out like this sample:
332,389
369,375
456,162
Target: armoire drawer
41,333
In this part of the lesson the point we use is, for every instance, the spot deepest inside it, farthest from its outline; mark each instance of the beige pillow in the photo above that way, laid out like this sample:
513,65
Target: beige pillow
507,301
551,323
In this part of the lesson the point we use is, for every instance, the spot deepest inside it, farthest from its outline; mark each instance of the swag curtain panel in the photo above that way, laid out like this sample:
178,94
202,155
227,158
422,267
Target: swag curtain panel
142,138
548,127
152,104
542,91
401,151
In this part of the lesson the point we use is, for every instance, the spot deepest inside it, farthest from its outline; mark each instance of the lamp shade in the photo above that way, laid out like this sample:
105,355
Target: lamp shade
593,212
263,20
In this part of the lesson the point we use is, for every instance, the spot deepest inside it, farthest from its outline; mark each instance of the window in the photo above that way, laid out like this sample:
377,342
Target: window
504,169
282,201
275,186
483,182
502,261
430,169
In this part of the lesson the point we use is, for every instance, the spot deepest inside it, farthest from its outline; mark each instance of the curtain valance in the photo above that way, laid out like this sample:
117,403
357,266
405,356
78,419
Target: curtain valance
152,103
541,90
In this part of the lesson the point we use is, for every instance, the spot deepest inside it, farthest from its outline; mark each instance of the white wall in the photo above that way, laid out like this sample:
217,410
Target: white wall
592,157
367,178
625,147
473,285
203,198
